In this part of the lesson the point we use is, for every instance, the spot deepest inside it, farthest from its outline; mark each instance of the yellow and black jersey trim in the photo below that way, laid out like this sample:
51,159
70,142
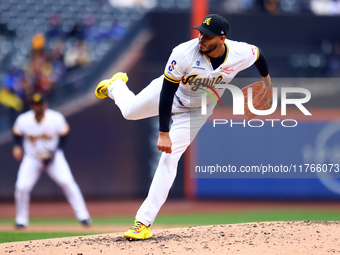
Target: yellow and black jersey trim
227,48
16,134
168,78
65,133
258,53
226,55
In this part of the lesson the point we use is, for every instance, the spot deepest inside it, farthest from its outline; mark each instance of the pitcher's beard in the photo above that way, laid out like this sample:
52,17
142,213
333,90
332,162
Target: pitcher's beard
212,48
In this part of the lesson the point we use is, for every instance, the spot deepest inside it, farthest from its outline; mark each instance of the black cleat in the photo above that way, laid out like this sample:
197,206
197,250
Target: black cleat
19,226
86,222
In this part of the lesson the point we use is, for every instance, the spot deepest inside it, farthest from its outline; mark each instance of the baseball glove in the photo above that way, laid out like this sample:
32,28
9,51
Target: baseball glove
262,98
46,157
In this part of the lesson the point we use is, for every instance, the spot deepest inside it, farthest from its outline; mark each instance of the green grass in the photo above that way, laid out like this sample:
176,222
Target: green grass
232,218
203,219
174,220
6,237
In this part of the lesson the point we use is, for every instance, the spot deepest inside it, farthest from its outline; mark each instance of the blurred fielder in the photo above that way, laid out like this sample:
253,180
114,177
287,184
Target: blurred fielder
38,137
203,62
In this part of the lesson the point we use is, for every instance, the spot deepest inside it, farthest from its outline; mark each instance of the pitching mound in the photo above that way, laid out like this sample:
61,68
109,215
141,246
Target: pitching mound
248,238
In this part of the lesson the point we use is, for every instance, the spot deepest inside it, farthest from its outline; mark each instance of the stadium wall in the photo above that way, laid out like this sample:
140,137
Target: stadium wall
108,155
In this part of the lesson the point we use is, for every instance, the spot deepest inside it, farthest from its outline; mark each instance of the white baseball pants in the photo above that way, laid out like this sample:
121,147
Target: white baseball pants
29,172
186,124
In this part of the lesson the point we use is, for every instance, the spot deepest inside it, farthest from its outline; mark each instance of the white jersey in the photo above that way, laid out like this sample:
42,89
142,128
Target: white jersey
43,135
193,69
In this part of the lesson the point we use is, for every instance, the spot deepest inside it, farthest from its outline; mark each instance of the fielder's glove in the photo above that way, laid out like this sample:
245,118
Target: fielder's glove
46,157
262,98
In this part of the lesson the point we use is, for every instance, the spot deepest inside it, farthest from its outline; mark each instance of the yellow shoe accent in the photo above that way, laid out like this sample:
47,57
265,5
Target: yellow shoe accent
102,88
138,232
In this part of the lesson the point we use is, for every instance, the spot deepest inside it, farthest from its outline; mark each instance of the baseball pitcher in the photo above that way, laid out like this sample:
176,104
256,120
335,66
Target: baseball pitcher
209,59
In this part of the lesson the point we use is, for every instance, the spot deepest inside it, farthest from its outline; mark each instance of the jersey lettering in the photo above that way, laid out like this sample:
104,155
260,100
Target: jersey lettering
195,83
33,139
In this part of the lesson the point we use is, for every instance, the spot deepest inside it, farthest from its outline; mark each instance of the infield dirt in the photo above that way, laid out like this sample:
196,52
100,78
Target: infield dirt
284,237
301,237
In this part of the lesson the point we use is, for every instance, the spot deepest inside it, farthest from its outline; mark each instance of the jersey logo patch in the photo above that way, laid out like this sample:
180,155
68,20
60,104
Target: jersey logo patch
253,50
227,70
207,21
172,65
198,63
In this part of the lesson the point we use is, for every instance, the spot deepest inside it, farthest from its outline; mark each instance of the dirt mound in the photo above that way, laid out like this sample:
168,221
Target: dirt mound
248,238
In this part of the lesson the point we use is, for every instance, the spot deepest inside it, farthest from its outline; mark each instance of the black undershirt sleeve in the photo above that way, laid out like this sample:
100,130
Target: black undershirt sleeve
17,140
261,64
165,104
62,141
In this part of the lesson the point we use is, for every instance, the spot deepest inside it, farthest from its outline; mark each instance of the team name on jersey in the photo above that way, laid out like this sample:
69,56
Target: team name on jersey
195,82
33,139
